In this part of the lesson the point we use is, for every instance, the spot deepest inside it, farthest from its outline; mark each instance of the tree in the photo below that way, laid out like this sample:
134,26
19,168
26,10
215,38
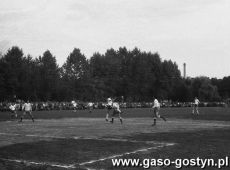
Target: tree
137,75
202,88
224,87
76,65
3,93
12,71
49,75
170,79
75,72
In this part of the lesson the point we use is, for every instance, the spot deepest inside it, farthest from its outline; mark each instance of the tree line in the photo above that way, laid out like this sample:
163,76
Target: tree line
137,75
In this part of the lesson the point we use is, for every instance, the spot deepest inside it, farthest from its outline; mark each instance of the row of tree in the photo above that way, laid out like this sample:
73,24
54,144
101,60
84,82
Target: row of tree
136,75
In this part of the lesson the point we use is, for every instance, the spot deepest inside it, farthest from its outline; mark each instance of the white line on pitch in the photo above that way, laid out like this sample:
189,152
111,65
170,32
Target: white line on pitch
72,166
126,153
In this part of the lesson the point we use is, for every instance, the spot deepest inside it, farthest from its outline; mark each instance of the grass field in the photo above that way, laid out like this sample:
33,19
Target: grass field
81,140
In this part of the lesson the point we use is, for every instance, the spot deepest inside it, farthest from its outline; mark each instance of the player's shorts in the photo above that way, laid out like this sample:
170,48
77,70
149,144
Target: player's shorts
156,112
12,112
195,105
109,107
27,112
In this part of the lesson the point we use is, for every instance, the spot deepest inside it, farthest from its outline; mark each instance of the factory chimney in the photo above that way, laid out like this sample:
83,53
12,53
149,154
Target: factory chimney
184,70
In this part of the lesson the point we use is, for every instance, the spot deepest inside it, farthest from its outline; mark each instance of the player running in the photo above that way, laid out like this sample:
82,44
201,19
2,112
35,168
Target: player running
195,106
156,109
116,110
27,107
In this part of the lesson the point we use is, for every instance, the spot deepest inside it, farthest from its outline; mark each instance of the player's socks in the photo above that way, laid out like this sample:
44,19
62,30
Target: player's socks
111,121
154,122
121,121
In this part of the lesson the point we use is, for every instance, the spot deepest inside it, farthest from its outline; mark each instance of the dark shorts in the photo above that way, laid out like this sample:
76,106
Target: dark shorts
27,112
109,107
156,112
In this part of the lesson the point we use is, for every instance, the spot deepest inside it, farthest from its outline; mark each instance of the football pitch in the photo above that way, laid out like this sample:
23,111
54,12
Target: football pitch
81,140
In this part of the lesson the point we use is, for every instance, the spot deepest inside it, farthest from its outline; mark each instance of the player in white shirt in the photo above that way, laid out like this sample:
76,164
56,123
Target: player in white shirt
27,107
90,106
116,110
156,109
109,107
195,106
13,110
74,105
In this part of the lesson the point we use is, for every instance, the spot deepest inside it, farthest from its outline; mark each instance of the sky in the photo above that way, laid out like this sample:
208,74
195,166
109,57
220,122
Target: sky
195,32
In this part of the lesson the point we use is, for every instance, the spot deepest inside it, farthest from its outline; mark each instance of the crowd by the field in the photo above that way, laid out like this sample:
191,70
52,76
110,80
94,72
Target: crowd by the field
46,106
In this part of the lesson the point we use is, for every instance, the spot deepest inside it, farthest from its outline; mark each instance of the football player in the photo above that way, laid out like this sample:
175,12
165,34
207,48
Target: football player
156,109
27,107
195,106
13,110
109,107
116,110
74,105
90,106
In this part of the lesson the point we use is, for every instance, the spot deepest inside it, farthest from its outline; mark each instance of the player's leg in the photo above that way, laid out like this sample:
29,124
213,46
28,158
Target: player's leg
193,109
154,117
160,116
112,117
107,117
154,121
107,114
121,120
31,116
22,116
11,114
197,111
15,114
